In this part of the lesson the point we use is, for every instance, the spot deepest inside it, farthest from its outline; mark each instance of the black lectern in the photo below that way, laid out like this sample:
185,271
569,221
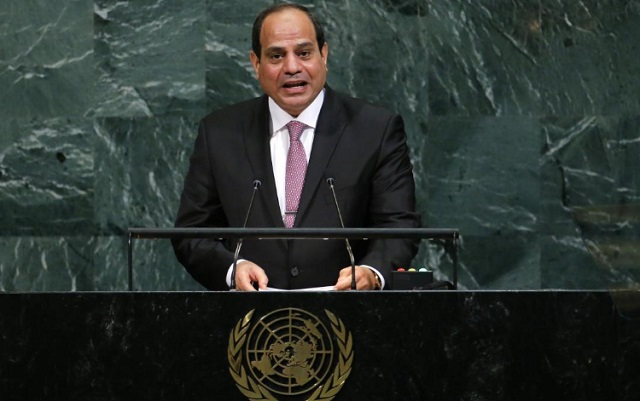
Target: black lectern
352,345
376,345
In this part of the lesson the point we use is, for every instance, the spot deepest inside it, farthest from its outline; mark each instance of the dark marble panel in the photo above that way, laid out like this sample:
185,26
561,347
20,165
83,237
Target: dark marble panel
378,52
566,263
46,58
500,262
46,177
565,186
110,264
150,57
409,346
533,58
229,74
591,190
85,263
592,160
154,266
140,168
35,264
482,174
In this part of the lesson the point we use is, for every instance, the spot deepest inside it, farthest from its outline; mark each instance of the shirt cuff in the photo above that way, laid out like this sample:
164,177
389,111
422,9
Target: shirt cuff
376,272
231,271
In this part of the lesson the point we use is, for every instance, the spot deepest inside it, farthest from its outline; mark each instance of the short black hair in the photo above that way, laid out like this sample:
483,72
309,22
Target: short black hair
257,25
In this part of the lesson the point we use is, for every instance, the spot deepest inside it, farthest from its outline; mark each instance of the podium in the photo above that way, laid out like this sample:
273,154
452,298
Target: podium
352,345
419,345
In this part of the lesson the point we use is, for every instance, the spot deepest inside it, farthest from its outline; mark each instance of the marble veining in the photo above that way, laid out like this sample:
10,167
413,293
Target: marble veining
522,122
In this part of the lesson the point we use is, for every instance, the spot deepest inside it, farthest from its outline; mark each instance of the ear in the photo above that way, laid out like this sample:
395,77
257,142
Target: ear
255,61
325,53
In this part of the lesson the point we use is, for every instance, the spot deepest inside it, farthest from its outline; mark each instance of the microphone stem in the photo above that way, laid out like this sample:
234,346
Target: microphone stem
346,240
236,254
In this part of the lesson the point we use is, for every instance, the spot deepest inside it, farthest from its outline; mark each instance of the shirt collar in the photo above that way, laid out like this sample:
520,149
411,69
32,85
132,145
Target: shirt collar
309,116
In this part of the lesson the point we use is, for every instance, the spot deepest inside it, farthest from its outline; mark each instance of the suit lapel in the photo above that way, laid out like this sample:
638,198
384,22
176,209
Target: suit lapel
256,141
331,123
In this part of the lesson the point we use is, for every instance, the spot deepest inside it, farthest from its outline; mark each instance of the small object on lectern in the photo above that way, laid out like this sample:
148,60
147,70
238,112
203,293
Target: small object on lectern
423,269
411,279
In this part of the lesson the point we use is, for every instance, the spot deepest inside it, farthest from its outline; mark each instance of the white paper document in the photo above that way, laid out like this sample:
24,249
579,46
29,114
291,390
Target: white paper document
327,288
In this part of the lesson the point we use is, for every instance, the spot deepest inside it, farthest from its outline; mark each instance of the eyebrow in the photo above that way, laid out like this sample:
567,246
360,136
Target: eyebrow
300,45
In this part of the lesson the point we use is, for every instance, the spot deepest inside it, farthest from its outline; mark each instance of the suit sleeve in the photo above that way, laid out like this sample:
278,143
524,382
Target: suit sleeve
392,203
207,260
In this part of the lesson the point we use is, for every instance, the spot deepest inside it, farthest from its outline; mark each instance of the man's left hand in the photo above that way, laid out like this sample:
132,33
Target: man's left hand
365,279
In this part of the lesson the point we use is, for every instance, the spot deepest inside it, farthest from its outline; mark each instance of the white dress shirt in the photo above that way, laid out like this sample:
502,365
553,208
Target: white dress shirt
279,142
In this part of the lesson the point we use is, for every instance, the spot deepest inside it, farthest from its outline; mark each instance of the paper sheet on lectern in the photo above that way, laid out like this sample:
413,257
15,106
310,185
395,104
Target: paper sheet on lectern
327,288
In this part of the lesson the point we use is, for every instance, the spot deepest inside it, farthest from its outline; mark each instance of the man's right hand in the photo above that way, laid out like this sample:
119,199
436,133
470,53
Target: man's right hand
248,273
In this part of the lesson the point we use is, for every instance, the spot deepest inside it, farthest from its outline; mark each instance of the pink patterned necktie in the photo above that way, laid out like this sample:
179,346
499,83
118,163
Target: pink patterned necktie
296,171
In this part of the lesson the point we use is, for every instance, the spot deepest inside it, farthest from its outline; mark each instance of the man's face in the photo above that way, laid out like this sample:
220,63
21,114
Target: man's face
292,70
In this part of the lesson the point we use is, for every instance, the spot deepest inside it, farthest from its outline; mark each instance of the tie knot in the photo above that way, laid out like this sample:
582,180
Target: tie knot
295,130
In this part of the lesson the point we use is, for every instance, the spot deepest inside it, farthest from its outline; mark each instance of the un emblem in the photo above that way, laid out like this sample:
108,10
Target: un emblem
290,353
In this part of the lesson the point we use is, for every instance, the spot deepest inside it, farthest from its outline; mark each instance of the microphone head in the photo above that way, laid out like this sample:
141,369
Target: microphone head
257,183
330,181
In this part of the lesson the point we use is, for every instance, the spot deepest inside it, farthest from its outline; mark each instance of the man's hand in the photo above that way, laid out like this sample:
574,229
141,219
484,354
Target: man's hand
365,279
248,273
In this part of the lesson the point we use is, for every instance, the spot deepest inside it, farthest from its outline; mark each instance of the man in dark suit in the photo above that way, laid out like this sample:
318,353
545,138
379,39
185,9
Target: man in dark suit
362,147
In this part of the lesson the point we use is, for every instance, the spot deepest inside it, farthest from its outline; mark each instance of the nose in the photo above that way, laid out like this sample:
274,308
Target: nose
291,64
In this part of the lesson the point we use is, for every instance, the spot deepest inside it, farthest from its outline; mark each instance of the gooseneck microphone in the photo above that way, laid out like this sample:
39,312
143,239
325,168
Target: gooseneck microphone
256,185
331,181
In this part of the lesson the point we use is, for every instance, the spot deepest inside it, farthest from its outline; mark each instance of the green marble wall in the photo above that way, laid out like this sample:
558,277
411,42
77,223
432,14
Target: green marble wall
523,118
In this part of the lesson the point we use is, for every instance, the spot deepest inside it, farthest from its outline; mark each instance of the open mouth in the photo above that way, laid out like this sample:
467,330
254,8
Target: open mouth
290,85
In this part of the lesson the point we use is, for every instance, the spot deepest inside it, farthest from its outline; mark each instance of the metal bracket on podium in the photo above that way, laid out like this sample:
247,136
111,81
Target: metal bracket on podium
449,235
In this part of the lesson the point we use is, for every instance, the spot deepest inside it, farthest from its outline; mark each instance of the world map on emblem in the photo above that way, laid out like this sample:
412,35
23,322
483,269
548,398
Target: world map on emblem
289,351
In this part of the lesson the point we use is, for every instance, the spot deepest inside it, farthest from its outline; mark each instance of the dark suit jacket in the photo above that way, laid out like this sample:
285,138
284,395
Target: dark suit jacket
361,146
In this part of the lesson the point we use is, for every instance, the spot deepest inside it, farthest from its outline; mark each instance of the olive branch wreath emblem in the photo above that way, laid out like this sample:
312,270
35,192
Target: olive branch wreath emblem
255,392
